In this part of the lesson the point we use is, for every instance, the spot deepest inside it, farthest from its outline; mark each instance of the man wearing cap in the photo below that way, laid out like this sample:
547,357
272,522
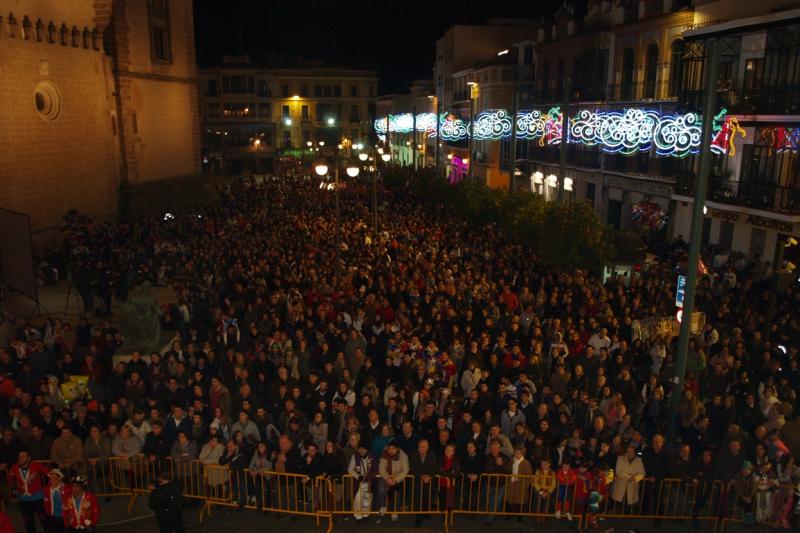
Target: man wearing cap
26,480
54,496
81,511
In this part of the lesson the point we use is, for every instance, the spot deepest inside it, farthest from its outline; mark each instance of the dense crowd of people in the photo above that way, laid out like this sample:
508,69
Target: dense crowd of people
430,348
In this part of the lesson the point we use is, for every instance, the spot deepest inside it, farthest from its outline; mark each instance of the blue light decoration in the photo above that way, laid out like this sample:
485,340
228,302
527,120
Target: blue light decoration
426,122
453,128
493,124
402,123
626,131
635,130
531,124
677,135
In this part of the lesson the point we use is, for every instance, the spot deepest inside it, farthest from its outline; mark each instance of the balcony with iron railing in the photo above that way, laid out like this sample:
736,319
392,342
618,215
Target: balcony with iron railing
643,90
763,195
749,101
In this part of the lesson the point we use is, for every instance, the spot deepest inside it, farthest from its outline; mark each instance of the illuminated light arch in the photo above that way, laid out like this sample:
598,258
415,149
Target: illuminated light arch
677,135
625,132
453,128
530,124
494,124
426,122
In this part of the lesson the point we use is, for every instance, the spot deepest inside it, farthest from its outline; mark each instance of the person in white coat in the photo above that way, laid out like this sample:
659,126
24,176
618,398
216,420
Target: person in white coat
627,477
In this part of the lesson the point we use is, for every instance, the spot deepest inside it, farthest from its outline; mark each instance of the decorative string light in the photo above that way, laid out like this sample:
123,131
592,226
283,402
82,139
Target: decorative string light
626,131
780,139
452,128
725,129
494,124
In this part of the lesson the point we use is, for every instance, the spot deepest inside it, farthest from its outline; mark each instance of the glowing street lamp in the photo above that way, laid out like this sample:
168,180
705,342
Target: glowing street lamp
321,168
331,121
352,170
386,157
363,156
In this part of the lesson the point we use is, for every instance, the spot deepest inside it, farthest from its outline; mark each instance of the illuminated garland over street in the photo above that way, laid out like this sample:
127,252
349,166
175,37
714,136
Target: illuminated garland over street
627,132
404,123
492,125
453,128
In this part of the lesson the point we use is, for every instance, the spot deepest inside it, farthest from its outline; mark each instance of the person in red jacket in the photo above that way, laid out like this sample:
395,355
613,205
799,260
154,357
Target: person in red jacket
55,494
5,523
27,480
566,488
81,511
583,486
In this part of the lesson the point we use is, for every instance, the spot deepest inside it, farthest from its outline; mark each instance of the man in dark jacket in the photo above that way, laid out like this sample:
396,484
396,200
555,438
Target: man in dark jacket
167,504
496,463
424,466
658,465
157,446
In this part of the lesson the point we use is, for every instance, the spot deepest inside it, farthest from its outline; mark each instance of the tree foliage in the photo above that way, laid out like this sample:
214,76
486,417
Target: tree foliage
563,235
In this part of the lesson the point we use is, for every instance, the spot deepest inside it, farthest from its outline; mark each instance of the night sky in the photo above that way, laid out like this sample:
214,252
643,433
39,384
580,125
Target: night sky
396,38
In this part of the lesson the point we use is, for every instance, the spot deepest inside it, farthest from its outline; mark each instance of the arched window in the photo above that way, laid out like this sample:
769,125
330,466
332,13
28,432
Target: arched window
675,67
650,71
626,85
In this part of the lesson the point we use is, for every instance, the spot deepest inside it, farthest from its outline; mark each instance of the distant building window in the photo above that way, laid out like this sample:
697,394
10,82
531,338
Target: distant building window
528,56
304,111
212,88
285,91
327,91
304,91
306,136
287,138
238,110
263,88
354,113
235,84
264,109
285,111
317,91
337,90
213,110
354,91
160,46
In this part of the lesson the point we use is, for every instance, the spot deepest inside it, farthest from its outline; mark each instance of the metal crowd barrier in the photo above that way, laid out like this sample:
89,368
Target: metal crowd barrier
412,496
509,495
670,499
489,495
772,507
